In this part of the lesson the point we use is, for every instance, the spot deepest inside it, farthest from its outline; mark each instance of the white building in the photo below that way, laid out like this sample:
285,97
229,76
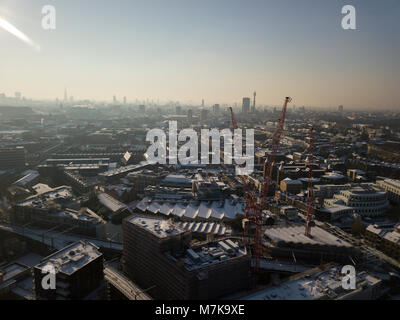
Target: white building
392,188
364,199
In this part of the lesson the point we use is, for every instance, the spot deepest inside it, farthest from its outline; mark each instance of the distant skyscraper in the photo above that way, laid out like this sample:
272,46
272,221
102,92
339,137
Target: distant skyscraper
124,100
202,103
254,102
178,109
246,105
18,95
190,115
203,115
114,99
340,108
142,108
65,95
216,108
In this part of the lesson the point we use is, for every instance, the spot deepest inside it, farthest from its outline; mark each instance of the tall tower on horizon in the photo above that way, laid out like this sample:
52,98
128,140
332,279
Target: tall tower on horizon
246,105
254,103
65,95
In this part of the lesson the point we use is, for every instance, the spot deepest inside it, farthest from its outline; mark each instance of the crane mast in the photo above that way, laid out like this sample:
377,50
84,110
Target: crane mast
310,195
269,163
255,205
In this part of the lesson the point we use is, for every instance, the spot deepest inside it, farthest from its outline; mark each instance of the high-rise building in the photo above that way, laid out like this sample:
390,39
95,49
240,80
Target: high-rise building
340,108
178,109
114,99
216,108
124,100
203,115
246,105
157,254
79,271
190,115
253,109
65,95
18,95
12,158
142,109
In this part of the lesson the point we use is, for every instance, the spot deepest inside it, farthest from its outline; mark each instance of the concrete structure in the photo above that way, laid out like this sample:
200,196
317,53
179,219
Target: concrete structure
58,207
392,188
387,242
78,270
291,186
157,253
322,283
12,158
246,105
364,199
181,209
286,242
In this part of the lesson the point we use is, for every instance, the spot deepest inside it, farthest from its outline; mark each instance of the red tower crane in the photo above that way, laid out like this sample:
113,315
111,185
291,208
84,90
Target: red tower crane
267,177
234,123
255,205
269,164
310,195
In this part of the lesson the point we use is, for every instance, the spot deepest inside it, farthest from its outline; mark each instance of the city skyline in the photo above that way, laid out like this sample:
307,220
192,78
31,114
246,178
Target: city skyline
218,51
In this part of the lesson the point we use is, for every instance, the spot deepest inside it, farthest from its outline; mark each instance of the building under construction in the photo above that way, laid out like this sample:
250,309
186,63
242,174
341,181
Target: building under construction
158,256
291,243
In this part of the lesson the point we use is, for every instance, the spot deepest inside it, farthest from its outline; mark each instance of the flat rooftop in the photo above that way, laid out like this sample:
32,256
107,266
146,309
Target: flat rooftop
295,235
12,270
40,200
311,286
71,258
213,253
161,228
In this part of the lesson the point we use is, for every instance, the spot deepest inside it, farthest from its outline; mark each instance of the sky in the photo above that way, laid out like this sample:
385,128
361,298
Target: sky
217,50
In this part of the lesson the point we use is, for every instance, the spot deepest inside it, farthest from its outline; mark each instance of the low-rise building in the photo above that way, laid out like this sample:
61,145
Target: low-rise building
291,186
364,199
392,188
322,283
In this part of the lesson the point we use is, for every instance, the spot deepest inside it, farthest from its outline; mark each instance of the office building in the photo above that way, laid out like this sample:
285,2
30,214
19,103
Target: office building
246,105
12,158
158,255
78,268
392,188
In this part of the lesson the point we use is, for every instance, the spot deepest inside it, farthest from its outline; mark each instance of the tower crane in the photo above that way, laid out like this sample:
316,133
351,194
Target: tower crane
310,195
255,205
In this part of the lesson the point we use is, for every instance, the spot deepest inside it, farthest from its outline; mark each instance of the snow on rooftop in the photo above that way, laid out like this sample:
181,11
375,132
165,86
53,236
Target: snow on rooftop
203,227
295,234
316,285
41,188
110,202
202,210
71,258
63,192
28,177
159,227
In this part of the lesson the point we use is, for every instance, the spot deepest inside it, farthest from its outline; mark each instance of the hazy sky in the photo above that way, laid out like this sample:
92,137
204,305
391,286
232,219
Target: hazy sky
219,50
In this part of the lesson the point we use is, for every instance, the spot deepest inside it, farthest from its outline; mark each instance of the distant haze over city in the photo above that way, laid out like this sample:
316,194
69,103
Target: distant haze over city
220,51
